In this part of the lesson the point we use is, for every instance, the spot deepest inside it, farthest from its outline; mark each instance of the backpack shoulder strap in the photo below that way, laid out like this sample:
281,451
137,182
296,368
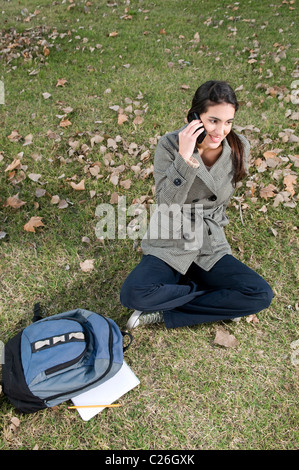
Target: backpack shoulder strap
125,333
36,312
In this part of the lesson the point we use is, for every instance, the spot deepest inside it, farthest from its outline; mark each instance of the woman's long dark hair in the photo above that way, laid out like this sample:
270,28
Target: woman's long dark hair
215,92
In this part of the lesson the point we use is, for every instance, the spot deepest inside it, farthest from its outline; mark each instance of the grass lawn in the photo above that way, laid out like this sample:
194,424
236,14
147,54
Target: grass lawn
87,89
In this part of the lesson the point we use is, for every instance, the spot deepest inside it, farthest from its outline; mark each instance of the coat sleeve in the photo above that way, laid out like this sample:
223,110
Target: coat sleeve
173,176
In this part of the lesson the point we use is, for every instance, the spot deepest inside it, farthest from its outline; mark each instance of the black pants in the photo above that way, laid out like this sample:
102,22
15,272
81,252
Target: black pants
230,289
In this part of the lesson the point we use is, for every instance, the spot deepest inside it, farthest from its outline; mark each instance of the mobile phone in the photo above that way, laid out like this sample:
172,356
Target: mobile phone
201,137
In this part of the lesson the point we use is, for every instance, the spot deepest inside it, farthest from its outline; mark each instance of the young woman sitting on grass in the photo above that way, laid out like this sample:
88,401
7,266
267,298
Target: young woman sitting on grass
190,276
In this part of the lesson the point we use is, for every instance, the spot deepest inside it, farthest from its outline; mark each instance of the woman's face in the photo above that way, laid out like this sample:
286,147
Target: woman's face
217,120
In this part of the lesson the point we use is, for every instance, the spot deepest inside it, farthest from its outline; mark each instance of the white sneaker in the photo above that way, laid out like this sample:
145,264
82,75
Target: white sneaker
143,318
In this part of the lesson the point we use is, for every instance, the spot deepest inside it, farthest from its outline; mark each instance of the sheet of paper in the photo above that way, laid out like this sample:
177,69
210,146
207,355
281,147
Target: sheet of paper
106,393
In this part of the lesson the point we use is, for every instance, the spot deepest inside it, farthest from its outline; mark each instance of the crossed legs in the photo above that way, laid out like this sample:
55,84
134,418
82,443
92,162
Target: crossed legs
229,290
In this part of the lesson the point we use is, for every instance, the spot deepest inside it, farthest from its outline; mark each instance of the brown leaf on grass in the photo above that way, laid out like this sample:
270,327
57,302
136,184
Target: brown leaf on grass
87,265
94,170
53,135
65,123
61,82
15,421
96,139
34,176
111,143
46,51
272,160
114,179
268,191
28,140
79,187
14,202
14,136
40,192
138,120
13,165
289,182
16,178
295,160
114,198
224,338
252,319
122,118
62,204
55,199
126,184
14,425
113,34
33,223
269,154
67,109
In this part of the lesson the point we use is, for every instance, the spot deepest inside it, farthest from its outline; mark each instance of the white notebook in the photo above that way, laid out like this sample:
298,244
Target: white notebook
106,393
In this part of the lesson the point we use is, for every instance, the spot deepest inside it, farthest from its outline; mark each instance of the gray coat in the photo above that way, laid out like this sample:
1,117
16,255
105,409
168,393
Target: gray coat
205,193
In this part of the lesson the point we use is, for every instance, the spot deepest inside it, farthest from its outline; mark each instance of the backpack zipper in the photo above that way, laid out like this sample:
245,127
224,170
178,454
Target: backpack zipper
65,365
110,346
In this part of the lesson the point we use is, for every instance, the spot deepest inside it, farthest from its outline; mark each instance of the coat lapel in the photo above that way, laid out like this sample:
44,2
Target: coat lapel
210,177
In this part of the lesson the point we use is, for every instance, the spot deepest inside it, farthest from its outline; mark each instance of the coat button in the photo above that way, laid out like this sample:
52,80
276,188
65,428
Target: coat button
213,197
177,181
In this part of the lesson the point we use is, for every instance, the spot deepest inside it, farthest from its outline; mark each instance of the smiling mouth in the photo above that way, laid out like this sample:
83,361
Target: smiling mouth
215,139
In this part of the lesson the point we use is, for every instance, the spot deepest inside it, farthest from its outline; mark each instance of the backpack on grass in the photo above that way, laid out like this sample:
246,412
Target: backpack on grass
58,357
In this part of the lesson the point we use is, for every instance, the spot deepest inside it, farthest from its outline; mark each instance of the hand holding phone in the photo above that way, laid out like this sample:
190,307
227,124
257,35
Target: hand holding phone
201,137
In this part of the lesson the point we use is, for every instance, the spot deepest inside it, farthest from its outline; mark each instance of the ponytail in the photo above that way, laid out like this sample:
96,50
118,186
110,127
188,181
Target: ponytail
238,156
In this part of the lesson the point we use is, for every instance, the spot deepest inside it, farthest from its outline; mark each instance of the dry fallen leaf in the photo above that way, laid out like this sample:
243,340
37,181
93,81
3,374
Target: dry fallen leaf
269,154
224,338
114,198
15,421
28,140
33,222
267,191
65,123
289,181
138,120
34,176
61,82
40,192
122,118
80,186
46,51
14,425
13,165
14,202
87,265
63,204
126,184
14,136
252,318
55,199
114,179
